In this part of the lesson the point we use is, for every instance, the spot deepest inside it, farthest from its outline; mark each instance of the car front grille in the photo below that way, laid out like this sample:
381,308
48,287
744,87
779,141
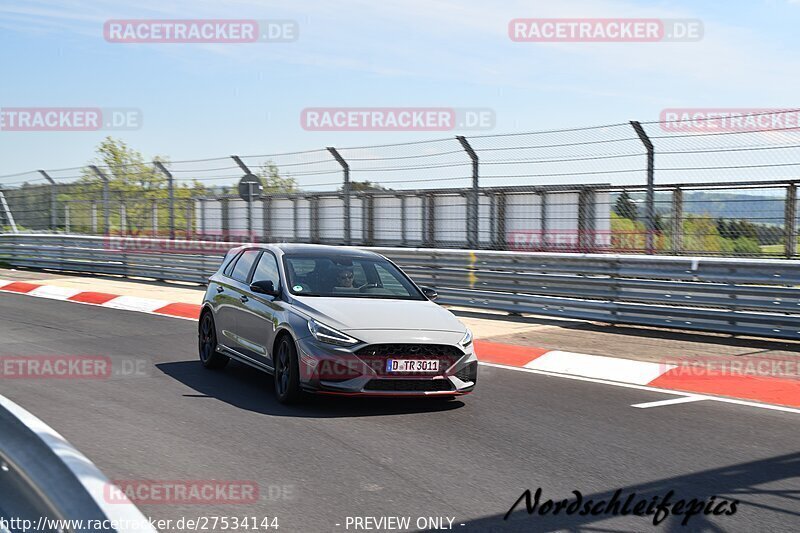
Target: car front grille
410,350
409,385
376,355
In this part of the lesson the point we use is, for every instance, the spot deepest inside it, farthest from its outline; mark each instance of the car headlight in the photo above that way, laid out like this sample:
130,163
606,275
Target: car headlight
328,335
467,340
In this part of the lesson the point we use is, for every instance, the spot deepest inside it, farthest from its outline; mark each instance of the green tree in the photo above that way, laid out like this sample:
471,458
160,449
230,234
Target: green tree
746,245
366,185
625,207
627,235
701,235
133,182
273,182
658,224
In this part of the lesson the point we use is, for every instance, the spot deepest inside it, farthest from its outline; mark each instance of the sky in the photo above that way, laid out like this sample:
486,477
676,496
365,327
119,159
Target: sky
211,99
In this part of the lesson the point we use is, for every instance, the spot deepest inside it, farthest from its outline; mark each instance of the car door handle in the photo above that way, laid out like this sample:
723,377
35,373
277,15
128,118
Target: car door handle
220,288
244,299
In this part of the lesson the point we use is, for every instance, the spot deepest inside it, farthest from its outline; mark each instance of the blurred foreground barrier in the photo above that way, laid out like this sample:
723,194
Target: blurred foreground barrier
735,296
47,485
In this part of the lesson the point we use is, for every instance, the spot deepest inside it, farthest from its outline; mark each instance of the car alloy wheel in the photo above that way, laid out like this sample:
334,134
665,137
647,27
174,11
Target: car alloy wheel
287,382
207,340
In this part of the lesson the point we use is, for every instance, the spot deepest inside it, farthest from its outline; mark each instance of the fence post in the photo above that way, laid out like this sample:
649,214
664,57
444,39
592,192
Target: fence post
202,217
94,217
313,219
171,194
295,219
189,219
266,209
403,215
650,211
544,221
790,221
345,191
472,202
224,221
246,170
106,202
429,220
368,208
586,220
53,213
500,224
123,217
154,215
677,221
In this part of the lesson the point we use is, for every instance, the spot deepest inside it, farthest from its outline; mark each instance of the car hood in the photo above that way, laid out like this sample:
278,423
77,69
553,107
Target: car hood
351,314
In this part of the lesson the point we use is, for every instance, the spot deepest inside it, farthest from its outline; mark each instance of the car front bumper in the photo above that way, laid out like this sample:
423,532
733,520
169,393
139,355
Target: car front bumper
331,370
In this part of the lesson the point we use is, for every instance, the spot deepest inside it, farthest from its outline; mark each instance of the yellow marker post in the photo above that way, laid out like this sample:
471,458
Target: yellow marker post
471,275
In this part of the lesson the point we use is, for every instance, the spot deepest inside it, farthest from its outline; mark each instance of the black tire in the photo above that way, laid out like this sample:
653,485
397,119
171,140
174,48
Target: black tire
287,372
207,344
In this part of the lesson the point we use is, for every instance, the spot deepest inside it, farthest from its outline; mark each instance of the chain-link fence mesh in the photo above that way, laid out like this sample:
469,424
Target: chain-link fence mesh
729,190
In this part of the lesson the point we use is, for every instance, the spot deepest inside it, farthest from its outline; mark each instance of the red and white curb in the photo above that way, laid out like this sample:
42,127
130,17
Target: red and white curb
613,370
658,376
115,301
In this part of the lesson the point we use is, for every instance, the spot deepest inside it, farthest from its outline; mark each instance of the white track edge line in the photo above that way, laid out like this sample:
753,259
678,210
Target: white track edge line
671,401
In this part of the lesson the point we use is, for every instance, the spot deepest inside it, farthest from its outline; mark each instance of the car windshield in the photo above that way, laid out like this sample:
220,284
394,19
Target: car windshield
347,276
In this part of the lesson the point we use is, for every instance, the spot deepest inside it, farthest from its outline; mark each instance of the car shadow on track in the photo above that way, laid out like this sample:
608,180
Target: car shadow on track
247,388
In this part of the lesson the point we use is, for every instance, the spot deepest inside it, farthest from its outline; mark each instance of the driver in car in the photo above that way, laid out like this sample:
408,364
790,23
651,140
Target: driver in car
344,278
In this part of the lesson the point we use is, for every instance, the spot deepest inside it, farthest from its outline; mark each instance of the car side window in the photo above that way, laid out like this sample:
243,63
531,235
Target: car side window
267,270
244,265
359,275
388,280
229,269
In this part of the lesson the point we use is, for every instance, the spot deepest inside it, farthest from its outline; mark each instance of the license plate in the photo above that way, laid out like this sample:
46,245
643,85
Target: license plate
412,365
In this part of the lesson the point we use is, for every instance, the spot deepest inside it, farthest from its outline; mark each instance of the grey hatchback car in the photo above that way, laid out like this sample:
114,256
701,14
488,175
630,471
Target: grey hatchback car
334,320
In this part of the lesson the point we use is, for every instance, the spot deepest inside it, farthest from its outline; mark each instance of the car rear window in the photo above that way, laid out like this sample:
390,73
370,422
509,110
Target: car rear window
244,264
229,268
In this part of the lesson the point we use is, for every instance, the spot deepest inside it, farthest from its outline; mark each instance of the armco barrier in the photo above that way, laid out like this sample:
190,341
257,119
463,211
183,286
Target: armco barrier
735,296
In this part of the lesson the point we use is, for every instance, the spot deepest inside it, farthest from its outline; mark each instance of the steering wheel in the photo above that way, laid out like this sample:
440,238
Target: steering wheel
366,286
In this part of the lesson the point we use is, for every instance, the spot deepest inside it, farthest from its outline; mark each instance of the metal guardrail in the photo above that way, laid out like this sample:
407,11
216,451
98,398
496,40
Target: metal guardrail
735,296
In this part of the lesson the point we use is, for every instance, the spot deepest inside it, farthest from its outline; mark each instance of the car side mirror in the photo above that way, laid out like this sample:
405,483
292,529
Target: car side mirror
265,287
430,293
